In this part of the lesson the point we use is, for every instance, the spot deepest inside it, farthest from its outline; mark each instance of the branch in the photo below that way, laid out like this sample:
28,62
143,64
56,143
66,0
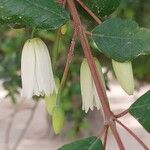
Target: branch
26,127
98,83
89,12
122,114
8,130
105,136
69,59
68,62
86,48
116,135
135,136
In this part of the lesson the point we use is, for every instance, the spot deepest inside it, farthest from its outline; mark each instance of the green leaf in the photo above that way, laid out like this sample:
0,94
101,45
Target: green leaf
91,143
140,110
43,14
102,7
121,40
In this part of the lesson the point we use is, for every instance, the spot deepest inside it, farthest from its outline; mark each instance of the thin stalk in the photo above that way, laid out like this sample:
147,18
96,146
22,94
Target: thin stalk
106,136
89,12
68,62
133,134
33,32
116,135
26,126
88,33
56,47
122,114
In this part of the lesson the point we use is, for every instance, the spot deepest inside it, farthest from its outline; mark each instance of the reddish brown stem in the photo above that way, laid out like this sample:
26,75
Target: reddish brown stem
117,136
105,136
89,11
133,134
122,114
88,33
98,83
69,59
86,48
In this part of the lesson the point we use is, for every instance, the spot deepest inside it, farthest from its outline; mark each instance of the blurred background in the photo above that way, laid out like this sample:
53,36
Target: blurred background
26,124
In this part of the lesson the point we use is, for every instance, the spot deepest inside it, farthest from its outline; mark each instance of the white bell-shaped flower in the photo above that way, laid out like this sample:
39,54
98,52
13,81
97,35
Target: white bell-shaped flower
36,69
89,94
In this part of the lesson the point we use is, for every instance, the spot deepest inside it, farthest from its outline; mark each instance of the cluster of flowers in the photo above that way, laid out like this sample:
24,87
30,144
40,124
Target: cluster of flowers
38,79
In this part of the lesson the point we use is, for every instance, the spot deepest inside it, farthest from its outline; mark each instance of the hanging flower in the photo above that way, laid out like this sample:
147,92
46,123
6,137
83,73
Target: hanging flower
89,94
36,69
124,74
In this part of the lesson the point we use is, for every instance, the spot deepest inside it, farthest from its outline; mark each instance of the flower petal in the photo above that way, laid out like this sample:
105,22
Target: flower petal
44,72
27,69
86,86
96,100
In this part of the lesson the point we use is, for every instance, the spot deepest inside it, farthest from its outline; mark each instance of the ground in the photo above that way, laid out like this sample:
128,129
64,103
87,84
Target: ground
39,135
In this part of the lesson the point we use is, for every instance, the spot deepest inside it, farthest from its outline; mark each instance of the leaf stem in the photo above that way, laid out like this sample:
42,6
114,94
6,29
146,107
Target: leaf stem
56,47
33,32
122,114
133,134
88,33
89,12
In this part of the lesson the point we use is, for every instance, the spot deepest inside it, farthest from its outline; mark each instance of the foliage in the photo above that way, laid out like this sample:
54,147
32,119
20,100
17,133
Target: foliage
28,12
121,40
141,110
102,7
92,143
118,39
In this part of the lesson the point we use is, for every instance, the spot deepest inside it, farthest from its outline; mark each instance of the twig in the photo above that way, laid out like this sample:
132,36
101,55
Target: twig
26,127
8,130
105,136
89,11
88,33
116,135
69,58
86,48
68,62
102,132
122,114
133,134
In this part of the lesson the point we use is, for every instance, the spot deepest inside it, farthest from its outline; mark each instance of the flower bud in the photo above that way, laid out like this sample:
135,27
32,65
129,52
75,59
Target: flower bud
50,101
58,118
63,29
124,74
